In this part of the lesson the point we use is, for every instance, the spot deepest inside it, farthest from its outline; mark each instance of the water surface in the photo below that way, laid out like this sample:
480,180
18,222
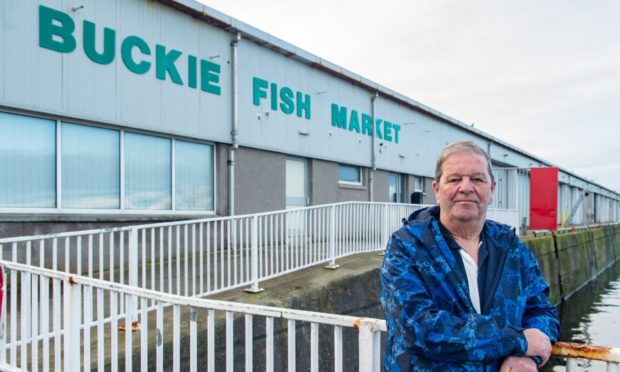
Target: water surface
592,316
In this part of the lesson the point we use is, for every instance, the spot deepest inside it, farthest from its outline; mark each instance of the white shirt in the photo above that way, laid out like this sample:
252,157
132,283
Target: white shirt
471,269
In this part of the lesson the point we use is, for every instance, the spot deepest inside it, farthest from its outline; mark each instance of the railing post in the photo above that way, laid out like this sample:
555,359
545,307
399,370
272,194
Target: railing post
369,350
332,239
386,227
72,322
254,257
132,307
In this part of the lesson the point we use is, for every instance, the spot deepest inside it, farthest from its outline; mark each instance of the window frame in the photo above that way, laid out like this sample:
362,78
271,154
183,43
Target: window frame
351,183
121,211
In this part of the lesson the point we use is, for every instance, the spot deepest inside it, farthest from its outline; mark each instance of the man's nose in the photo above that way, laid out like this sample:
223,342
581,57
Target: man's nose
466,185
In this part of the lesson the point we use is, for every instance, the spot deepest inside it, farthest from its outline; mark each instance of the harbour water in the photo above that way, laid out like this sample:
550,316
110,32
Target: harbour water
592,316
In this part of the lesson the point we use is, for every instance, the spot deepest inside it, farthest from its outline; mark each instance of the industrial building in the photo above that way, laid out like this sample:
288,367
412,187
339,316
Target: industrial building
124,111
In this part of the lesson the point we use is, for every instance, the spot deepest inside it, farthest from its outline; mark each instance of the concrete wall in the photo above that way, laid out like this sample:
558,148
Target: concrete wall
570,259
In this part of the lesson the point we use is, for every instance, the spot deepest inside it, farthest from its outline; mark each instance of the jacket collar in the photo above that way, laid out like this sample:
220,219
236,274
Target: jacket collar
424,224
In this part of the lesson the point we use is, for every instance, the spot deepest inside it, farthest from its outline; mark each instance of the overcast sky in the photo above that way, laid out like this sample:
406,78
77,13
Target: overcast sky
542,75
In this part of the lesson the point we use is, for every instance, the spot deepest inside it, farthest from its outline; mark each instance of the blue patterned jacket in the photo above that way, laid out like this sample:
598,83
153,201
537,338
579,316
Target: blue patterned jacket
432,324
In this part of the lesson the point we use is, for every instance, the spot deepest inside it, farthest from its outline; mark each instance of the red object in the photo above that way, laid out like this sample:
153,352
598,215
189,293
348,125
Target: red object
543,198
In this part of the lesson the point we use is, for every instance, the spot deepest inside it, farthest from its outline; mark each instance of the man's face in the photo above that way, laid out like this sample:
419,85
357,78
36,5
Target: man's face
465,188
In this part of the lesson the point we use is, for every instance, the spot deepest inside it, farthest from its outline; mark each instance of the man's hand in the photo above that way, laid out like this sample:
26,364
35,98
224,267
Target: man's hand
516,363
538,344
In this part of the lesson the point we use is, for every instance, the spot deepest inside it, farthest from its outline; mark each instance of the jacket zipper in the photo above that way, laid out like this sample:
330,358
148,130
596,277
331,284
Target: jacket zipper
497,276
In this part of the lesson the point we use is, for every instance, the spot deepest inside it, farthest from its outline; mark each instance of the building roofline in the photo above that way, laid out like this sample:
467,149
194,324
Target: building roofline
216,18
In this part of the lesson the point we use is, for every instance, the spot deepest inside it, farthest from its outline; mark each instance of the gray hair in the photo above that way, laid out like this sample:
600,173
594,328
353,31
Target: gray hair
458,148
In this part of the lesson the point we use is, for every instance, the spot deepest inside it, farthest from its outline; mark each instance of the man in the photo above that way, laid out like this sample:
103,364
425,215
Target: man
462,293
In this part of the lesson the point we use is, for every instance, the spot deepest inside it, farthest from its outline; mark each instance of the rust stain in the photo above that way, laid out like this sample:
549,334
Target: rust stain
573,350
135,326
358,323
71,280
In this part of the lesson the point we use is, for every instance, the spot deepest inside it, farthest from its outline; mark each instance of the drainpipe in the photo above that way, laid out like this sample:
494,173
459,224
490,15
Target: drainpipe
234,132
371,178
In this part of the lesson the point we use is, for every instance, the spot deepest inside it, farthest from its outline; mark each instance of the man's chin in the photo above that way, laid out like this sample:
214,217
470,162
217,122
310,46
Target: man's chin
467,214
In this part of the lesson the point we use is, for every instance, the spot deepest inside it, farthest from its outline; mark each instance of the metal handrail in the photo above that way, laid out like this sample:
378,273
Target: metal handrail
573,351
83,328
237,250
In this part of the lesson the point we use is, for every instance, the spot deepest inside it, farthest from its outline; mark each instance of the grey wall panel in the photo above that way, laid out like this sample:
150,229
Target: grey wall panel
429,193
259,181
347,193
263,127
419,140
32,77
89,89
73,85
221,179
381,187
323,182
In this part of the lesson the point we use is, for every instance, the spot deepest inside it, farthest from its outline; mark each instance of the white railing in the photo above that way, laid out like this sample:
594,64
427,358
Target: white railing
207,256
58,321
508,216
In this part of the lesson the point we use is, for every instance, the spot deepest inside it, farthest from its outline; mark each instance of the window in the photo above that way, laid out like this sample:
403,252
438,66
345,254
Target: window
90,159
396,188
419,183
28,158
90,167
350,174
193,176
148,172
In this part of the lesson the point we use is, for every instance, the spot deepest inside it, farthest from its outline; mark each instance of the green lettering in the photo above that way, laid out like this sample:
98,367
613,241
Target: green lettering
354,121
210,77
258,88
286,96
339,116
274,96
126,47
54,23
164,62
387,131
89,42
378,128
303,105
366,124
191,71
396,130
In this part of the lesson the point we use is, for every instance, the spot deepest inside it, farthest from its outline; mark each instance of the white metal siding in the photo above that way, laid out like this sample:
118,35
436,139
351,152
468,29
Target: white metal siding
70,84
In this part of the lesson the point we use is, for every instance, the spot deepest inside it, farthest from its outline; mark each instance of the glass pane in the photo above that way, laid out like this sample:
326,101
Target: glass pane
148,172
348,173
393,188
194,176
90,167
295,182
28,158
419,184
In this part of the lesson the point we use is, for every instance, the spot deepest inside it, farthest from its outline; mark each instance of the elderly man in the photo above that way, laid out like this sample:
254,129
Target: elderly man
462,293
